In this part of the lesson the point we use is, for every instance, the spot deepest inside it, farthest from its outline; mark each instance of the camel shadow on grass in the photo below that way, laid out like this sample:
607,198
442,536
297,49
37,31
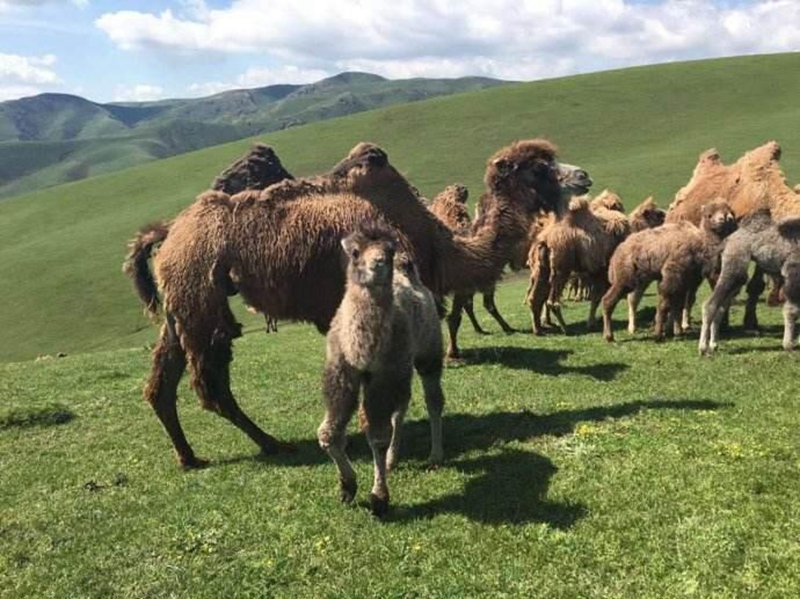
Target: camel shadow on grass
506,485
541,361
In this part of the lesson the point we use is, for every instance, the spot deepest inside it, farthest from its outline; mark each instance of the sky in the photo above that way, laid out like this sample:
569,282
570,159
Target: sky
128,50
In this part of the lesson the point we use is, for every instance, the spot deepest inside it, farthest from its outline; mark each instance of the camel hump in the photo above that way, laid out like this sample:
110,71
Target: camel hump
710,156
259,168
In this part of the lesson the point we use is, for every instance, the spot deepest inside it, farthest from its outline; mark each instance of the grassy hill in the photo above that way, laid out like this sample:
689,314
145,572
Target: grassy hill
55,138
638,131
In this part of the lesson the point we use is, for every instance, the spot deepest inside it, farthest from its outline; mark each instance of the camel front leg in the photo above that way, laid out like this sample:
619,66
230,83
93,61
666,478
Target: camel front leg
634,299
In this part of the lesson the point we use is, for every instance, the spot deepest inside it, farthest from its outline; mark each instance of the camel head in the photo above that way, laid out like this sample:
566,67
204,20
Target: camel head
370,253
529,171
718,217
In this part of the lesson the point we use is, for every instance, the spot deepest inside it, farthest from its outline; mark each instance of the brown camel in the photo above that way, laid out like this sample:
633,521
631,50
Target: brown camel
679,256
754,182
450,207
283,257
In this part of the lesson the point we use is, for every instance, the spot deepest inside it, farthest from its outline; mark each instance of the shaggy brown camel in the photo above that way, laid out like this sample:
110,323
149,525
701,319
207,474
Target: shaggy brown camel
580,243
678,255
283,257
754,182
450,207
386,325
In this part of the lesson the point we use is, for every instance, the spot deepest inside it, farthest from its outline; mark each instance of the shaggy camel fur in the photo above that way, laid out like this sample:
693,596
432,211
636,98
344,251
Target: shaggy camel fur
259,168
754,182
581,243
646,215
283,258
450,207
679,255
775,248
386,325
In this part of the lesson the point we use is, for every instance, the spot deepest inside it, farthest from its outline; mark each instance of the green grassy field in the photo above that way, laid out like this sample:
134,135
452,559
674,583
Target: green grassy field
573,469
638,131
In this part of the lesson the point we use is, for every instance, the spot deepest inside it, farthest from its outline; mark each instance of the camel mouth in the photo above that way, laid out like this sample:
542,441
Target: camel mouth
574,179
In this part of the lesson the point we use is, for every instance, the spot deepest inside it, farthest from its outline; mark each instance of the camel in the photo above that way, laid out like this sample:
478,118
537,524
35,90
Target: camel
580,243
386,326
575,252
678,255
279,249
754,182
450,207
773,246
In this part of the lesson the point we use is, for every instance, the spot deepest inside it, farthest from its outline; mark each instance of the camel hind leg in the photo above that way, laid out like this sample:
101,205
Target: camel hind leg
469,310
491,308
210,357
161,392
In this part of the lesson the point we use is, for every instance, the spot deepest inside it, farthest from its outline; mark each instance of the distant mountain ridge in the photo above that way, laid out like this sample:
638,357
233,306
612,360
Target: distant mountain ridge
55,138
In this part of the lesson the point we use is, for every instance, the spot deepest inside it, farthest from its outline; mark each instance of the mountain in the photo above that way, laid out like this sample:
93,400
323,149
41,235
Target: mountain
638,131
50,139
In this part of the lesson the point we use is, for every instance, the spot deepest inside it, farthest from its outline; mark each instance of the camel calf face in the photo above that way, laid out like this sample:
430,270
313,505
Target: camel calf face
370,258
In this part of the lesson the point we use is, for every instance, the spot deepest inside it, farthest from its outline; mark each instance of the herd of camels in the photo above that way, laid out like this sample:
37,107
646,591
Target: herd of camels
281,243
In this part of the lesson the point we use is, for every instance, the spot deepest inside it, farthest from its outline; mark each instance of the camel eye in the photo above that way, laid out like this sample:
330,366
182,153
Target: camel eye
355,253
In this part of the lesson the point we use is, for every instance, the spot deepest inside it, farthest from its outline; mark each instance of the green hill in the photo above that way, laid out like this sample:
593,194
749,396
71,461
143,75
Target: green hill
56,138
638,131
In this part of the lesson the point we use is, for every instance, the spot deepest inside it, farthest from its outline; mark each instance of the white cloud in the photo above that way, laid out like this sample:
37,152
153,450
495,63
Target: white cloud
13,92
259,77
141,92
24,75
517,39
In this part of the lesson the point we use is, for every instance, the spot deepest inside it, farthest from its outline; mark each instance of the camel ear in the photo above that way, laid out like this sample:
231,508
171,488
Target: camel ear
348,243
502,166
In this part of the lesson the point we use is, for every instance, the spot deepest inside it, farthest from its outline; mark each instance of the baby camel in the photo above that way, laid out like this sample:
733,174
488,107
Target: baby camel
386,326
679,255
774,247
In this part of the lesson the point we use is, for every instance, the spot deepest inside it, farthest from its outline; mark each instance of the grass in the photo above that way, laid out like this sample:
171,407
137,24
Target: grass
638,131
574,468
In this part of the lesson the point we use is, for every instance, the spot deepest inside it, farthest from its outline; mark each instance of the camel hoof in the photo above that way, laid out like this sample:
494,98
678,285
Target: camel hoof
609,338
193,463
347,491
378,505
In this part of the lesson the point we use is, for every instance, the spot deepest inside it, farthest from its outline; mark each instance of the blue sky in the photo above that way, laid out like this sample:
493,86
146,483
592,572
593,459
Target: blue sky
146,49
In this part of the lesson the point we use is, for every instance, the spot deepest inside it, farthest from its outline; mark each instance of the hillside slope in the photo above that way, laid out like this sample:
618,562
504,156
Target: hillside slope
638,131
56,138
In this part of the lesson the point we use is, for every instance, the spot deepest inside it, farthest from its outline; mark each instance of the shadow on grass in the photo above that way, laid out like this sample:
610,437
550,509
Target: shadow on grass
470,432
541,361
35,417
509,485
510,488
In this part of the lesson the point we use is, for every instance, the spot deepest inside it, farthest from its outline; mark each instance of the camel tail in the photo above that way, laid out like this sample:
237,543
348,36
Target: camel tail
136,264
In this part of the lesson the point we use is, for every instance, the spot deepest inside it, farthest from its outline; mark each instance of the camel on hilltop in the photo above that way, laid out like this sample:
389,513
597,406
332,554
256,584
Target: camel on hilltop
752,183
284,258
